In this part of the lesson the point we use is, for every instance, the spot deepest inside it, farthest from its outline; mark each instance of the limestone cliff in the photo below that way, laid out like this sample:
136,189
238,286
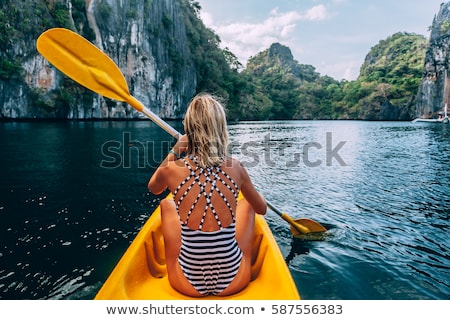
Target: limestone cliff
431,95
146,38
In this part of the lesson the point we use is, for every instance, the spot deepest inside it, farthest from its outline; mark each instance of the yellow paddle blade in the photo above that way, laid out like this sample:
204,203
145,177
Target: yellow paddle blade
299,226
312,226
303,225
85,63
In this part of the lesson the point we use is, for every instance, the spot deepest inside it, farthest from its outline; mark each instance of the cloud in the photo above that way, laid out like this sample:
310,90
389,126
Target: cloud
207,18
245,39
316,13
347,68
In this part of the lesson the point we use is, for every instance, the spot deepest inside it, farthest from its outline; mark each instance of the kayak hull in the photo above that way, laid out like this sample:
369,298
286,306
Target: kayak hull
141,272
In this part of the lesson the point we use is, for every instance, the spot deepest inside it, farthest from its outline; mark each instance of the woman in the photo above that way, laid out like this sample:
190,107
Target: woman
207,233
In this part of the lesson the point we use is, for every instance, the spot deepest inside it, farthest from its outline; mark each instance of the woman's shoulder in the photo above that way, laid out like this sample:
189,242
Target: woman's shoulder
173,168
234,166
232,162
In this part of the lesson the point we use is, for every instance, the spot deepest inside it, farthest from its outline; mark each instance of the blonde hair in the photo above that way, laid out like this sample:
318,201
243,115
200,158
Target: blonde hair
205,125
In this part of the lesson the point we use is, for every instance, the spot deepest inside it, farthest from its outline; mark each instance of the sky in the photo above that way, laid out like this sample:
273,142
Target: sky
334,36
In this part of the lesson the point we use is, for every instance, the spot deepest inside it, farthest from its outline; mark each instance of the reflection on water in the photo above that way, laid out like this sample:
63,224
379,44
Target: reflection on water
298,247
382,190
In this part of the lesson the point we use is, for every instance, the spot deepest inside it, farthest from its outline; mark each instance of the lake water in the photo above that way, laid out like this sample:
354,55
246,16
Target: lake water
73,196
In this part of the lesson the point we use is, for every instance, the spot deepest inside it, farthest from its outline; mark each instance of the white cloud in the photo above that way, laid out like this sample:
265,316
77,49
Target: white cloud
344,70
245,39
207,18
316,13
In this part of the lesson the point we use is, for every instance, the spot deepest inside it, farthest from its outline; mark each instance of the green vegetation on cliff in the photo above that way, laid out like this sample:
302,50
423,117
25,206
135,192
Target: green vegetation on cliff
389,79
385,89
216,68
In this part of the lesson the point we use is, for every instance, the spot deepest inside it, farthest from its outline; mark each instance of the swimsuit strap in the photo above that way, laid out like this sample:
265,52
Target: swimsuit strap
212,175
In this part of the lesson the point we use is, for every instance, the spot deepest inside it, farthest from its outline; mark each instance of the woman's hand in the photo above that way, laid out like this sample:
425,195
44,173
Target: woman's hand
181,145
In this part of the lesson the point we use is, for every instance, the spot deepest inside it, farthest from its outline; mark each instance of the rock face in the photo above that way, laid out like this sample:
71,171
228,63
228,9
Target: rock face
146,38
433,93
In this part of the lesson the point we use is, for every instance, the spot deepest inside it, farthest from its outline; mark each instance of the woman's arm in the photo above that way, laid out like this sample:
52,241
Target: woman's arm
159,180
254,198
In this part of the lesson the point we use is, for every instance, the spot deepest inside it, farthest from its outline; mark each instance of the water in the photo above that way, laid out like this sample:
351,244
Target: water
73,196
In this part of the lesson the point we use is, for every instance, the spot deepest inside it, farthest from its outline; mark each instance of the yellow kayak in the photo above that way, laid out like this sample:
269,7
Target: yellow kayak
141,272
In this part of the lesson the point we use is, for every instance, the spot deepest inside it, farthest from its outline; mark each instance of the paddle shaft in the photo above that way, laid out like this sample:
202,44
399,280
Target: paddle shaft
132,101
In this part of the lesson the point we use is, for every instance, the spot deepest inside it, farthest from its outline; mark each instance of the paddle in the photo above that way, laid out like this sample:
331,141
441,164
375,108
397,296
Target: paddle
299,226
79,59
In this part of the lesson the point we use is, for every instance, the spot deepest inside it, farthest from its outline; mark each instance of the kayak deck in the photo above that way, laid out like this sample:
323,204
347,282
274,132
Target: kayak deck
141,272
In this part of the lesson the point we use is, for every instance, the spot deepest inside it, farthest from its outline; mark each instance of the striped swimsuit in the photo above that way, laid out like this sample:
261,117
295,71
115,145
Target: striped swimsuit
209,259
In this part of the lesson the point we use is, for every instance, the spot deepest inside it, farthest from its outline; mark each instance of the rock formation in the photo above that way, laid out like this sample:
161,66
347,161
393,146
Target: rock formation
146,38
433,94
